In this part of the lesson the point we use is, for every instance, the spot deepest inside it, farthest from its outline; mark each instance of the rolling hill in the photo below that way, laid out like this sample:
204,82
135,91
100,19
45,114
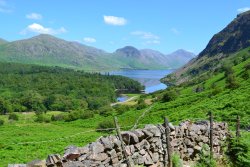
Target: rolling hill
51,51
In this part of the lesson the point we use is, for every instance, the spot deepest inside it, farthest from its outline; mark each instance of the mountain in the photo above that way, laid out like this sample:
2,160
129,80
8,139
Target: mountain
152,59
2,41
179,58
51,51
222,49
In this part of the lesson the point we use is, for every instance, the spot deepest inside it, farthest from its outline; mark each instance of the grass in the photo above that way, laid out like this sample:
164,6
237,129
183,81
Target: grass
225,105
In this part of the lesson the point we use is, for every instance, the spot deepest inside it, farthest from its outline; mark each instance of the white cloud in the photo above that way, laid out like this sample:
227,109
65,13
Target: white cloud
242,10
153,42
37,28
34,16
175,31
116,21
89,40
4,8
145,35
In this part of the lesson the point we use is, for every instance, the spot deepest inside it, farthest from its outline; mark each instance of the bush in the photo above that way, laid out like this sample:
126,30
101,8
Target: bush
169,96
41,118
87,114
176,161
59,117
120,109
73,115
106,111
106,124
1,122
238,152
205,160
141,104
231,82
13,116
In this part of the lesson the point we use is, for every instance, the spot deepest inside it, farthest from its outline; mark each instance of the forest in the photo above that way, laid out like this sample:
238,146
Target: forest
25,88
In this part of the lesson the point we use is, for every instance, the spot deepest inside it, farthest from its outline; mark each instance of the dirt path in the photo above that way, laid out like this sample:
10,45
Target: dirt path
130,99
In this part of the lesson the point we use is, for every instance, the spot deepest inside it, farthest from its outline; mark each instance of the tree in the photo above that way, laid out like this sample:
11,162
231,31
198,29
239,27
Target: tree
5,106
231,81
170,95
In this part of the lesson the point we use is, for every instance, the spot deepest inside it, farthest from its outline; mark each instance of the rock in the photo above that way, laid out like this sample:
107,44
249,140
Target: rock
188,142
148,160
154,130
106,143
144,144
155,157
171,126
73,164
142,152
98,157
139,134
197,148
37,163
190,151
71,153
96,147
83,150
53,159
129,138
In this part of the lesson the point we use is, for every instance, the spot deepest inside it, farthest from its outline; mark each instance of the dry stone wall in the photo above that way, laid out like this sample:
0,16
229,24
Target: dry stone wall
145,146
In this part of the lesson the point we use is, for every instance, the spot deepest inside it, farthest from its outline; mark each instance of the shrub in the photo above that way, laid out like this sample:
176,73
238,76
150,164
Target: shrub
237,152
104,125
169,96
41,118
205,159
73,115
59,117
87,114
231,82
141,104
120,109
106,111
176,161
13,116
1,122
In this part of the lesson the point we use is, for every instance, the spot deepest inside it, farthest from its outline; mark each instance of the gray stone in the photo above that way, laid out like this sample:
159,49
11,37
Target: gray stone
106,143
153,129
148,160
129,138
53,159
83,150
37,163
98,157
96,147
73,164
71,153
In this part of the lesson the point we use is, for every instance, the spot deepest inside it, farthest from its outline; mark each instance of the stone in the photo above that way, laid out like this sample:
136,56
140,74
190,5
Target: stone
142,152
73,164
154,130
171,126
106,143
188,142
139,134
197,148
155,157
37,163
53,159
96,147
98,157
71,153
190,151
144,144
129,138
148,160
112,153
83,150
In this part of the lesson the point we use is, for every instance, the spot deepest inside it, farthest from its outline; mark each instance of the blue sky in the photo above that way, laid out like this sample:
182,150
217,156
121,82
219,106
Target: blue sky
164,25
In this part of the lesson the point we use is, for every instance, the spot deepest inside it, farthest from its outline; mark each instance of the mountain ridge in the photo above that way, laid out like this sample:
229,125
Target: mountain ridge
52,51
222,46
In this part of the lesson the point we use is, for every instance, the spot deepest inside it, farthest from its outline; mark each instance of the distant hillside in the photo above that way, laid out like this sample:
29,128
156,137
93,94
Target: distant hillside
2,41
221,49
51,51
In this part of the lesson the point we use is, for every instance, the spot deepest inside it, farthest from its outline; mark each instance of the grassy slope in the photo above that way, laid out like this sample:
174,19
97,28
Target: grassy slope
189,105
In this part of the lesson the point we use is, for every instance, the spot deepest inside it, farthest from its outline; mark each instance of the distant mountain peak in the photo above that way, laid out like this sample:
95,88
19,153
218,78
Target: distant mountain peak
129,51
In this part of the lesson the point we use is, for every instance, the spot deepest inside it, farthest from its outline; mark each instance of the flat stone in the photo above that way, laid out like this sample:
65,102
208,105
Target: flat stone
71,153
96,147
129,138
37,163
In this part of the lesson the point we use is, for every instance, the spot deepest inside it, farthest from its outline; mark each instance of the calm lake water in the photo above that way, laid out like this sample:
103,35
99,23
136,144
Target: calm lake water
149,78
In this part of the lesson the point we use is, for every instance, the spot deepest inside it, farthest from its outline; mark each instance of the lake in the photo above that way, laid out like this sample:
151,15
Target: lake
149,78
